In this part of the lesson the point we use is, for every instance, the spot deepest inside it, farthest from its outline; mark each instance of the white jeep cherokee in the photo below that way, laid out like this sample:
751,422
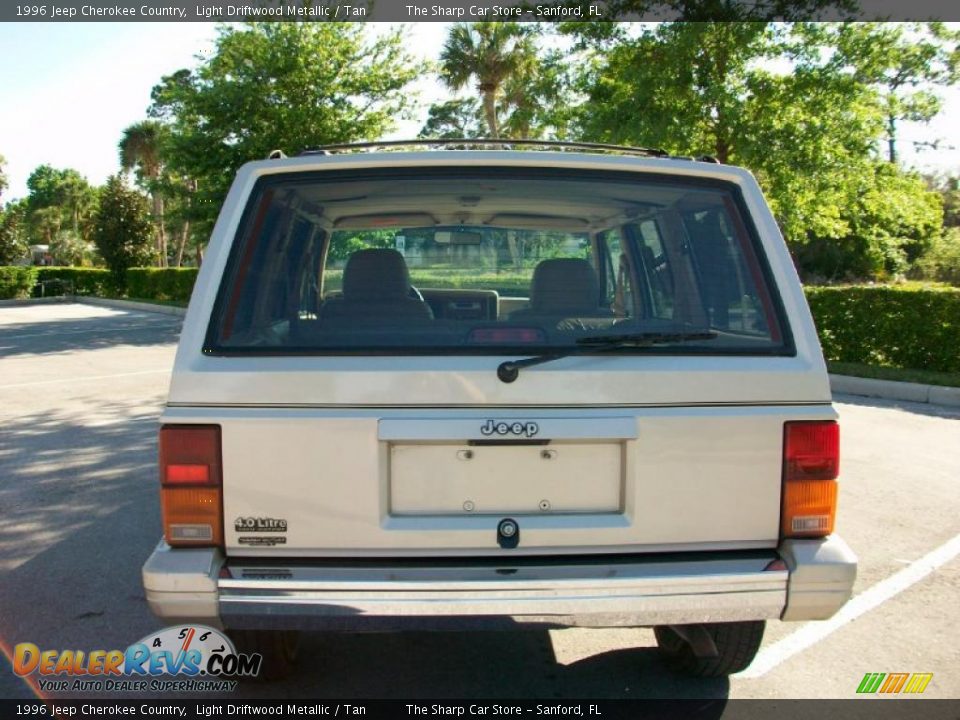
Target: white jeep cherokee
484,388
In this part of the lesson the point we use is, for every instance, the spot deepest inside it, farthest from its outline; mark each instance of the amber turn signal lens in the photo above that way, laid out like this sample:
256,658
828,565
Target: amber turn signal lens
192,515
809,508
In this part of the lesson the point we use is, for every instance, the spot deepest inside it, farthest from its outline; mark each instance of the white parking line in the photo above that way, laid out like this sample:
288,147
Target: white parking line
812,633
82,379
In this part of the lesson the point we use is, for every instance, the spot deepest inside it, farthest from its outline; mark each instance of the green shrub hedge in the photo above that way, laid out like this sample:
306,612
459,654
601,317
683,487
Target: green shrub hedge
17,281
75,281
161,283
141,283
506,283
889,326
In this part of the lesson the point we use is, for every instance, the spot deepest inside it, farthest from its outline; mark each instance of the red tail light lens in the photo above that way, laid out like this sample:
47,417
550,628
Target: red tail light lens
188,474
811,450
811,463
190,485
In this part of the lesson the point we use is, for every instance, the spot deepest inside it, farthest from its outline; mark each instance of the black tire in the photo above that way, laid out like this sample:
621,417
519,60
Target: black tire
737,644
279,649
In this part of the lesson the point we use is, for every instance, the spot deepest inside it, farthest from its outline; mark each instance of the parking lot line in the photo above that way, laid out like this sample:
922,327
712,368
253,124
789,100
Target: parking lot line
812,633
84,378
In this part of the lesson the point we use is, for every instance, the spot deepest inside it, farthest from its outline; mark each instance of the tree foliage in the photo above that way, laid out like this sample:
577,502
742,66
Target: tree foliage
141,148
122,229
491,55
535,99
902,62
13,232
59,200
891,221
3,177
779,100
459,118
521,90
948,187
941,262
278,85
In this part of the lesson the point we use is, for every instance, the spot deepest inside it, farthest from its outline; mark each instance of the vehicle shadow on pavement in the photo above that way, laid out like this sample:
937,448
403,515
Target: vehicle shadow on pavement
492,665
78,516
87,333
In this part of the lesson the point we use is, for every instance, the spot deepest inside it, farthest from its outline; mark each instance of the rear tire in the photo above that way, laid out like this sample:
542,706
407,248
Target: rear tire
737,644
279,649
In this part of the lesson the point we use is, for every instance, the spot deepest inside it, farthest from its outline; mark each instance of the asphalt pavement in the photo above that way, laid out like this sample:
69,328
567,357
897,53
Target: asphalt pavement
81,389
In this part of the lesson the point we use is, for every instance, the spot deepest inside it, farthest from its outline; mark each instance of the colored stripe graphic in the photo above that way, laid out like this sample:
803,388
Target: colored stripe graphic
892,683
870,682
918,682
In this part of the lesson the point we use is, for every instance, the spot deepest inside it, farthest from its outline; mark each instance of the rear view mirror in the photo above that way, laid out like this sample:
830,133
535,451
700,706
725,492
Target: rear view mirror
457,237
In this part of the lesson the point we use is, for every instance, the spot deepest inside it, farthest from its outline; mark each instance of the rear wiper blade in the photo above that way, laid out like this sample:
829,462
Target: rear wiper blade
509,371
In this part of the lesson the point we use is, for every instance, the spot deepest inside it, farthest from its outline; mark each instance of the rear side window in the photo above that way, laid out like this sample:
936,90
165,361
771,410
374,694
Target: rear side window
491,261
656,269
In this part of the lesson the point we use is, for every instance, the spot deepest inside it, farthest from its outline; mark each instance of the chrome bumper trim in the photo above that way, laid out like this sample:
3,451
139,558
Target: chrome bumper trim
609,594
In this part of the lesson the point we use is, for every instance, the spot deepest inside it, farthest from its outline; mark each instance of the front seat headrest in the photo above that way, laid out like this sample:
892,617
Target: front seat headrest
376,274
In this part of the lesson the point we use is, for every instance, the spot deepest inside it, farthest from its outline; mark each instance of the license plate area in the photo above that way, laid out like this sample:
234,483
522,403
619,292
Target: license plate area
460,478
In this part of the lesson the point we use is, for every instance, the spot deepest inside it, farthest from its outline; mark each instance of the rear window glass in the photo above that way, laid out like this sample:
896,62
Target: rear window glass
491,261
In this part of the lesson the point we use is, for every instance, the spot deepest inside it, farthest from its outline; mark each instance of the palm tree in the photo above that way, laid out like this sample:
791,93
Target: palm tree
47,222
140,148
521,103
488,53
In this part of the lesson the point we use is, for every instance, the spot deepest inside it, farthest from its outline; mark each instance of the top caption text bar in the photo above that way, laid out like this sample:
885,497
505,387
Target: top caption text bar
467,10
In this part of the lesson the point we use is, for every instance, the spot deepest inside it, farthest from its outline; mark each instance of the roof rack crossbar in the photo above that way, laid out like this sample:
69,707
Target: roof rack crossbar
466,143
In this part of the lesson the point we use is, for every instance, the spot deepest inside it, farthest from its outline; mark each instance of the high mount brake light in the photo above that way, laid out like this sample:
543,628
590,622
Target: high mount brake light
811,463
488,335
191,485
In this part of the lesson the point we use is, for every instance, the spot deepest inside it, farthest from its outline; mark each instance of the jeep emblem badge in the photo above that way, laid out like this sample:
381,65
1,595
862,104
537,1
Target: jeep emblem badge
502,427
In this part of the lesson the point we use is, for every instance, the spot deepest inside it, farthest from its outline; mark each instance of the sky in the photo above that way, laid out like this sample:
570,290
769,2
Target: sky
68,90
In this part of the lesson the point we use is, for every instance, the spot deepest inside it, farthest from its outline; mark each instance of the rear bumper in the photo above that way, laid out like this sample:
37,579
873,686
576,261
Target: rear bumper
201,586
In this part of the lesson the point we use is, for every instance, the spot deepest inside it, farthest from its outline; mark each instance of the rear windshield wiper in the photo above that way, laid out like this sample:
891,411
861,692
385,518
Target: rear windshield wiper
509,371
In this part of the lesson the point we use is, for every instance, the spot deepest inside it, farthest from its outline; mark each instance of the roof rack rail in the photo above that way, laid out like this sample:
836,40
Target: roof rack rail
475,143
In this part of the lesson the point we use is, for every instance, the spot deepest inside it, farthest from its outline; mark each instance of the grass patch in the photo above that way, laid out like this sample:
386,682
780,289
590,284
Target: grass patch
926,377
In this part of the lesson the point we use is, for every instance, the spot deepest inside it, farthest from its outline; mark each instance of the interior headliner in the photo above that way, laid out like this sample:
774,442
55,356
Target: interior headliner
543,203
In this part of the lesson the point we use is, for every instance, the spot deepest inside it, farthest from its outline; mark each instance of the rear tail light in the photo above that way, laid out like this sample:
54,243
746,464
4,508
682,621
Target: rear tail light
191,485
811,463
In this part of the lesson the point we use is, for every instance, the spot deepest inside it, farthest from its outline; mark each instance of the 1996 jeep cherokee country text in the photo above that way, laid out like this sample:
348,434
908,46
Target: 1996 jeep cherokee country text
487,388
